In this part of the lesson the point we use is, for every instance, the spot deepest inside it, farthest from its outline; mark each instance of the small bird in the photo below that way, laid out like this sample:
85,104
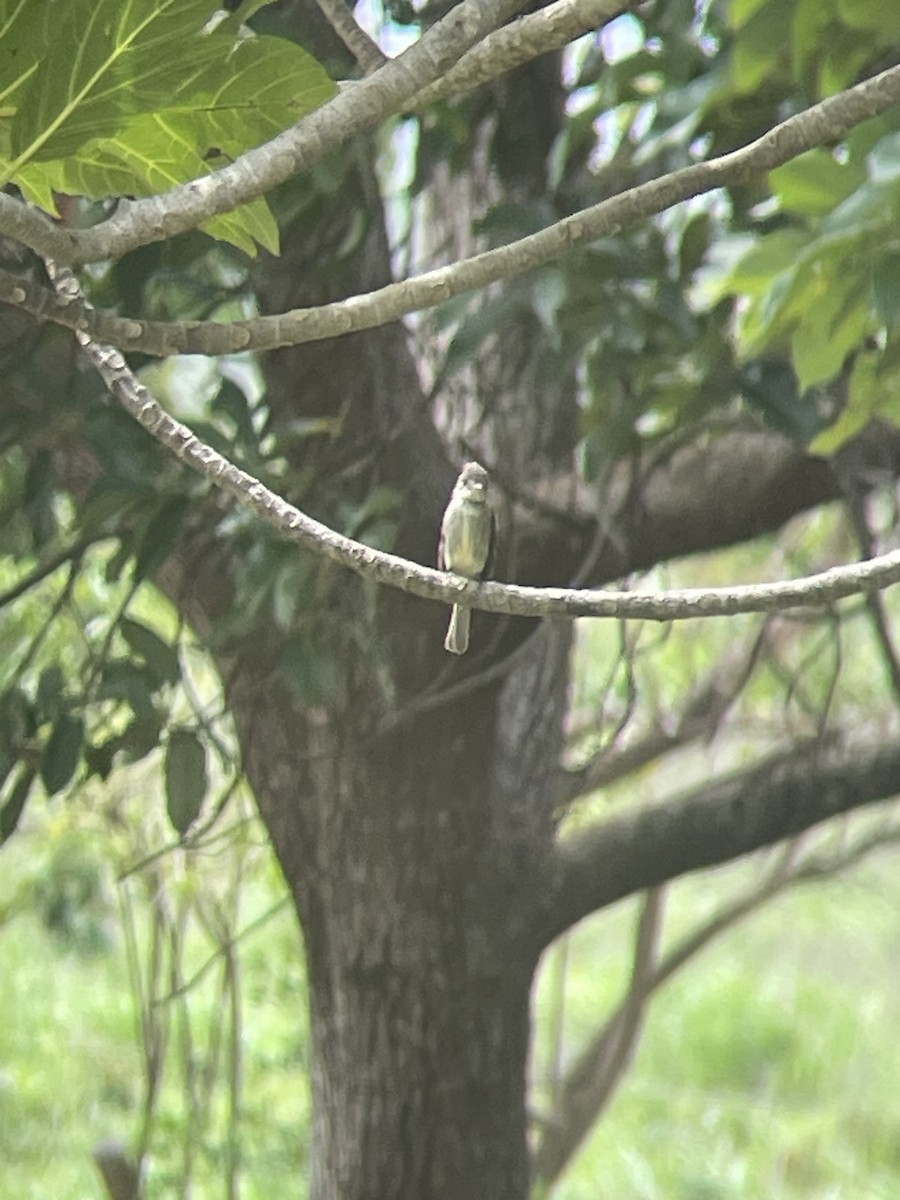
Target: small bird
467,544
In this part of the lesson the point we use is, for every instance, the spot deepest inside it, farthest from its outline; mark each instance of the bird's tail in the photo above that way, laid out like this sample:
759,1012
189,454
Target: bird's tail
457,639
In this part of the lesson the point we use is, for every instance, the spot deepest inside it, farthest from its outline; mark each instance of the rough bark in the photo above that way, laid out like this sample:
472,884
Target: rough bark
734,815
412,858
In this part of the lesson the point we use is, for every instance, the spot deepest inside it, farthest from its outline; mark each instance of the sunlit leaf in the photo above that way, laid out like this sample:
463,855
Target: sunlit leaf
815,183
874,391
135,98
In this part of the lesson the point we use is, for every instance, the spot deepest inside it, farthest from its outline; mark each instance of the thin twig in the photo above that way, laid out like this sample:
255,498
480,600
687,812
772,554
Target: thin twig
366,52
586,1090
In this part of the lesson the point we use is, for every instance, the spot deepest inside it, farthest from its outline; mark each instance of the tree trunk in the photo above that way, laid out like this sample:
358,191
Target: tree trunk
413,856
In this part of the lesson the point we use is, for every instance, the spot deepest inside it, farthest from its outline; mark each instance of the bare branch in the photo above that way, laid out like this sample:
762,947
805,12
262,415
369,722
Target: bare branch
781,797
588,1088
700,717
591,1083
366,52
519,42
508,599
874,603
825,122
41,571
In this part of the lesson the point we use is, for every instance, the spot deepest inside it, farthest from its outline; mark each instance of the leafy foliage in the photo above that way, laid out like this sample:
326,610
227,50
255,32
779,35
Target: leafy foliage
156,92
780,297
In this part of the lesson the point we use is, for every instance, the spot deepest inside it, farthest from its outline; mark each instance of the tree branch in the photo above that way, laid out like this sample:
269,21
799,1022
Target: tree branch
508,599
355,108
703,711
783,796
522,40
590,1084
366,52
827,121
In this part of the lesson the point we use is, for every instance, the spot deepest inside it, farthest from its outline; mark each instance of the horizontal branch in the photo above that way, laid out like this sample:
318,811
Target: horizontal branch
509,599
590,1081
356,108
781,797
825,122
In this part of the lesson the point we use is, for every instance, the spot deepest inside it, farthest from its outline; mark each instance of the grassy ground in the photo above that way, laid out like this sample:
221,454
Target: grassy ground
768,1068
71,1071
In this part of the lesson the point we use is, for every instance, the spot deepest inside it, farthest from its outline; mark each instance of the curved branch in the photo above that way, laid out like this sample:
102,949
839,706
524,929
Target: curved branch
355,108
590,1084
508,599
827,121
783,796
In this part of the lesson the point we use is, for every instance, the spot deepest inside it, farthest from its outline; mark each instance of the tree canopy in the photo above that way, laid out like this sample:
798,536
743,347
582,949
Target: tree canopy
268,280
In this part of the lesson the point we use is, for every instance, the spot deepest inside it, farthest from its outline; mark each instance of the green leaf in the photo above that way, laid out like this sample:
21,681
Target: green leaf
757,47
130,683
247,8
741,11
798,290
18,719
755,271
811,22
186,780
62,752
875,16
872,207
51,698
230,401
874,391
152,96
829,330
842,62
815,183
160,535
884,158
39,501
886,289
695,240
160,657
140,737
99,61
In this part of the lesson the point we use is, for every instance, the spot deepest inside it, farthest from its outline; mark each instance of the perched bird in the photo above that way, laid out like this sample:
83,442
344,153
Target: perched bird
467,544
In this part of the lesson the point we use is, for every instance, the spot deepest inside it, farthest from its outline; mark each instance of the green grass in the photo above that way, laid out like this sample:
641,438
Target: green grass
768,1067
68,1066
70,1071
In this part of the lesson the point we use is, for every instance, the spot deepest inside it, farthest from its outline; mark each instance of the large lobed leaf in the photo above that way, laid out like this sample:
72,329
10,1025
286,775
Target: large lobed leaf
131,97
